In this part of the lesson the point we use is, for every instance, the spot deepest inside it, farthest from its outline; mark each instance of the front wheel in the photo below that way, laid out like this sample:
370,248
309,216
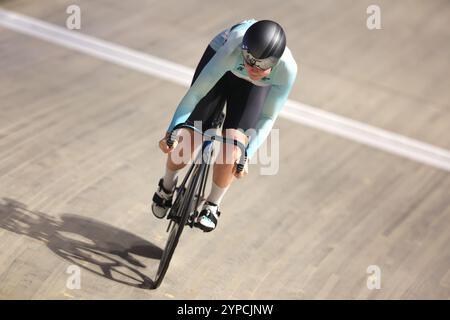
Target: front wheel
178,221
171,244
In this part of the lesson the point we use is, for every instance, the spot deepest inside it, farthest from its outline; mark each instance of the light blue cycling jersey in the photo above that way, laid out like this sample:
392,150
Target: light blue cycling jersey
229,57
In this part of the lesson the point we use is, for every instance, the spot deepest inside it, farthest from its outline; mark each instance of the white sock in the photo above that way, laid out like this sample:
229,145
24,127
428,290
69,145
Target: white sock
170,179
216,194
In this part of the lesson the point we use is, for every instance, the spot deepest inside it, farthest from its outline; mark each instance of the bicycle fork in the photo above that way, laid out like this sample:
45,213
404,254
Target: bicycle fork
204,167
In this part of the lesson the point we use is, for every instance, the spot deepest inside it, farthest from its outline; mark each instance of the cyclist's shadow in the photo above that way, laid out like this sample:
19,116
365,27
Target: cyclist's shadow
90,244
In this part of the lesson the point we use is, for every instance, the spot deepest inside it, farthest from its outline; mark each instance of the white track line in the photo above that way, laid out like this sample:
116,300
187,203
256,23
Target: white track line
295,111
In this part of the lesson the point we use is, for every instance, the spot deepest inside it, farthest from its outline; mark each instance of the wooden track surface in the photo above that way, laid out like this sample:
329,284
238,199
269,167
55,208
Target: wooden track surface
79,160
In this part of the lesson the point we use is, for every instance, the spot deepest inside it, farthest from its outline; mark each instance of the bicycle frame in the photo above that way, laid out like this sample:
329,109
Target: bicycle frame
184,210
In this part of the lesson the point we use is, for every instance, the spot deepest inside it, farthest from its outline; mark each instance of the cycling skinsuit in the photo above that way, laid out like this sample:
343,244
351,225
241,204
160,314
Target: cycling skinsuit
221,77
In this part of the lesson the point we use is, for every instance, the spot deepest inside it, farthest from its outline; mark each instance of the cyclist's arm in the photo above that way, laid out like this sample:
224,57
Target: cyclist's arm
275,101
206,80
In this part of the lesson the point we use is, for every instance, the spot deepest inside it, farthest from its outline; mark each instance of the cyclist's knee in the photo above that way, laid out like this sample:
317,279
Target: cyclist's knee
229,153
188,140
185,147
237,134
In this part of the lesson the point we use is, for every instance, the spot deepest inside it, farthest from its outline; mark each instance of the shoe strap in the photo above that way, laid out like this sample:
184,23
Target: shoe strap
215,213
162,202
164,190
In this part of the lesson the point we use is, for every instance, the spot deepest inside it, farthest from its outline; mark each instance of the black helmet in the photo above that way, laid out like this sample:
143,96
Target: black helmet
263,44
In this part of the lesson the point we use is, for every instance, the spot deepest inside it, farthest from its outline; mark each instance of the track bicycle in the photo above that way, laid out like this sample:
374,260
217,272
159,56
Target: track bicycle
189,194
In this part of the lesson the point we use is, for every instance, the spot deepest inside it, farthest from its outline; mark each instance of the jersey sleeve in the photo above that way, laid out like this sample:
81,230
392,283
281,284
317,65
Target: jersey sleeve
208,77
273,104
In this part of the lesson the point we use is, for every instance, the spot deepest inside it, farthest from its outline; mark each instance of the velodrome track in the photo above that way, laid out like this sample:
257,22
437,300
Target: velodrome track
364,154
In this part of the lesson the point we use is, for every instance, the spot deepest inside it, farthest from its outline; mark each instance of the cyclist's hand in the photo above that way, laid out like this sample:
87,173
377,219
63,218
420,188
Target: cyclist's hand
163,144
241,174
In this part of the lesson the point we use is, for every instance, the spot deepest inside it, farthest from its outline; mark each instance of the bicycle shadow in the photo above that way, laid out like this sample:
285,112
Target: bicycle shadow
90,244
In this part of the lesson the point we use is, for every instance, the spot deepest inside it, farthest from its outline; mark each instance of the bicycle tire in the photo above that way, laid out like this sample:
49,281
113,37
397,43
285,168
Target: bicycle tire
177,228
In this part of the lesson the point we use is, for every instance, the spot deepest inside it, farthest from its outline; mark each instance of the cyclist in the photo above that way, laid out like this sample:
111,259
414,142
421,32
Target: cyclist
249,67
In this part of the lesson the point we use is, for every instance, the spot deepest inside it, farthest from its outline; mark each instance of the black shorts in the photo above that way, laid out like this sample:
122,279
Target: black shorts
244,100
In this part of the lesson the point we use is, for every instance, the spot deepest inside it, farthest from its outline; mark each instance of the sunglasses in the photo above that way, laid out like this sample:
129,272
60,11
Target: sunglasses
261,64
